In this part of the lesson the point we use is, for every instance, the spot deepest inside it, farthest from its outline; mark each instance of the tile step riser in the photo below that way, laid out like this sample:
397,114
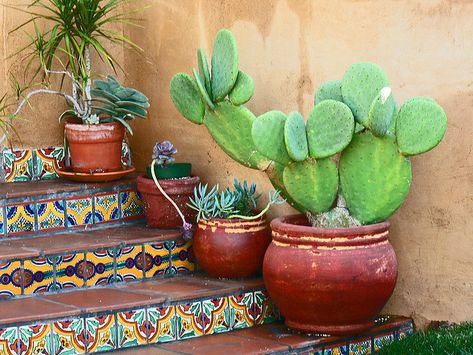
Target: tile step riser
164,322
115,264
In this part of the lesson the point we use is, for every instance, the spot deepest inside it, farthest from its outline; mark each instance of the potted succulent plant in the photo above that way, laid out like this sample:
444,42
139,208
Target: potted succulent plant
332,268
231,236
100,113
167,188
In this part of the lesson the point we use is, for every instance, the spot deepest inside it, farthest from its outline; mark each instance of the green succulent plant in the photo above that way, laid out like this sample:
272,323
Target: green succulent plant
355,143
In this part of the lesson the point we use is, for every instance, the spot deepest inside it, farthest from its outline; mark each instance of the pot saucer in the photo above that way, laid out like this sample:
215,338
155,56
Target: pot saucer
67,173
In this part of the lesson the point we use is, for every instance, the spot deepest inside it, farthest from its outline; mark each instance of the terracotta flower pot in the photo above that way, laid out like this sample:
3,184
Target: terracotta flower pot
231,248
159,212
332,281
95,148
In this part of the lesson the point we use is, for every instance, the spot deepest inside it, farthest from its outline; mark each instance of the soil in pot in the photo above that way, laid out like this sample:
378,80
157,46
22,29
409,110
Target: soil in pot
332,281
231,248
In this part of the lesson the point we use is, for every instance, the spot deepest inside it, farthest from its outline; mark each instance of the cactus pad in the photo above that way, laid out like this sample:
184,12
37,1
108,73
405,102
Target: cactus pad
420,126
312,184
230,126
204,70
360,86
268,136
186,97
295,137
382,112
243,89
374,177
203,92
224,64
330,90
329,128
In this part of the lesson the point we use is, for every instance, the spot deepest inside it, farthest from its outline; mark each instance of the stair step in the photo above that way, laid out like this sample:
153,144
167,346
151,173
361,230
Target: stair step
90,258
54,206
277,338
131,314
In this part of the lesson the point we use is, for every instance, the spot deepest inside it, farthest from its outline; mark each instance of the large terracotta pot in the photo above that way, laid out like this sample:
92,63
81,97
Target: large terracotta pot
95,148
159,212
332,281
231,248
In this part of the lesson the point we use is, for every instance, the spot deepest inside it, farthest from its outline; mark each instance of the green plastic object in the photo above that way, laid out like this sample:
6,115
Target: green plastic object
295,137
186,97
268,136
243,90
420,126
171,171
224,64
330,90
330,128
204,71
382,112
312,184
374,177
361,84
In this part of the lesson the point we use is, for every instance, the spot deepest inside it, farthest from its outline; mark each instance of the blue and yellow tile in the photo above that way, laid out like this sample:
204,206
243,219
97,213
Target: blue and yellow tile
129,263
38,276
2,222
162,324
20,219
240,310
133,328
79,211
8,341
69,337
35,339
50,214
101,333
70,270
189,320
100,267
10,278
381,340
263,310
18,165
216,315
360,347
156,260
339,349
131,205
106,208
48,162
182,256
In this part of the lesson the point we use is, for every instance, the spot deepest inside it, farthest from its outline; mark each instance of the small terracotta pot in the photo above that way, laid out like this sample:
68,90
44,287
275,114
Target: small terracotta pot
329,280
95,148
159,212
231,248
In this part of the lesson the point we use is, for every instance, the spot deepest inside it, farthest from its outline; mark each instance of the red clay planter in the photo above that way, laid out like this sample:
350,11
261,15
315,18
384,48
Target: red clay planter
332,281
231,248
159,212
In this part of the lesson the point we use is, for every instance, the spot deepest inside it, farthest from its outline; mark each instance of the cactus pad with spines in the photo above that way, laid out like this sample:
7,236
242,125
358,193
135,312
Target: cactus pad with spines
420,126
381,112
330,90
374,177
268,136
312,184
295,137
224,64
186,97
204,70
243,89
329,128
360,86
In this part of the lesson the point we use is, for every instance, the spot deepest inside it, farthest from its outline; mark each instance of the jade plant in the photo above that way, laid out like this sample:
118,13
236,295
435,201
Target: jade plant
347,164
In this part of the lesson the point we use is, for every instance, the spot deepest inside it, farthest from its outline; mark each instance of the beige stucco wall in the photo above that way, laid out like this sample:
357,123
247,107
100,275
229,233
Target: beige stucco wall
290,47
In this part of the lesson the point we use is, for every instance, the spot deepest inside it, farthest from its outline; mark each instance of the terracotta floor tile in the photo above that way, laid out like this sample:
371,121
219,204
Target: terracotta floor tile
104,299
127,180
32,188
134,234
148,350
10,251
32,309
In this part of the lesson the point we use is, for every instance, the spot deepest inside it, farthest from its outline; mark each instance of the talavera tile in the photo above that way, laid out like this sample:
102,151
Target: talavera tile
48,162
79,211
189,320
50,214
129,263
10,279
156,260
106,207
18,165
360,347
9,341
35,339
69,337
99,267
102,333
182,256
20,219
162,324
263,309
131,205
70,270
216,315
133,328
240,310
38,275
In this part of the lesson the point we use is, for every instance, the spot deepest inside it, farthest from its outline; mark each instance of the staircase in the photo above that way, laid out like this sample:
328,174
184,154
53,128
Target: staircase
81,273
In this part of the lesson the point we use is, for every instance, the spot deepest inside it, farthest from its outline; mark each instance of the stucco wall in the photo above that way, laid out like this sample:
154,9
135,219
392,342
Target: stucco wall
290,47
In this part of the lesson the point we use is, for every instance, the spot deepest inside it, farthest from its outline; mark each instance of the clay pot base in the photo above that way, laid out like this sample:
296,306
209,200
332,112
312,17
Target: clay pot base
332,330
68,174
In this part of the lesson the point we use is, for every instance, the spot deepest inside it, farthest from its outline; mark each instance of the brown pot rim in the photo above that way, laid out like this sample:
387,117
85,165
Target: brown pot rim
231,221
92,127
187,180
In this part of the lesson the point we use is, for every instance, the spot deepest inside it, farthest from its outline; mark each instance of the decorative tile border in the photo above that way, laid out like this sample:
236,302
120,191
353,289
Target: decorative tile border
82,268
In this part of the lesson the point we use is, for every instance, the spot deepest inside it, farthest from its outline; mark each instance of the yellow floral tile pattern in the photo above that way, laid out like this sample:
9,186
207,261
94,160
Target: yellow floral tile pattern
99,267
106,208
189,320
50,214
131,205
38,276
162,324
101,333
70,271
132,328
35,339
69,337
8,341
182,257
20,219
10,279
79,211
156,260
129,263
18,165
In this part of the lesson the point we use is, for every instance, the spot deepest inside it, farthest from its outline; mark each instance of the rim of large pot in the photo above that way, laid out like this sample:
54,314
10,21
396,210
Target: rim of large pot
224,221
85,126
192,178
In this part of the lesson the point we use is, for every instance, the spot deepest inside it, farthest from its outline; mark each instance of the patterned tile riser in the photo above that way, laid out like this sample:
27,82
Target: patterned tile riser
94,268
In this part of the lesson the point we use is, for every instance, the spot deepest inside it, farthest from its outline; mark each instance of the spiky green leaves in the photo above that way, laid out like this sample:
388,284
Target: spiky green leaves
361,84
330,90
243,89
268,136
329,128
295,137
420,125
381,112
312,184
374,177
186,97
224,64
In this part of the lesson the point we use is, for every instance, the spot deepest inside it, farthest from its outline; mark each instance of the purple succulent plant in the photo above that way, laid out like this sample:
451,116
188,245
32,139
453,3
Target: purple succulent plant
163,153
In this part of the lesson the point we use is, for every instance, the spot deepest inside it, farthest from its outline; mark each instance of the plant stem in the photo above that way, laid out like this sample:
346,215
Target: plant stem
88,97
76,105
250,218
